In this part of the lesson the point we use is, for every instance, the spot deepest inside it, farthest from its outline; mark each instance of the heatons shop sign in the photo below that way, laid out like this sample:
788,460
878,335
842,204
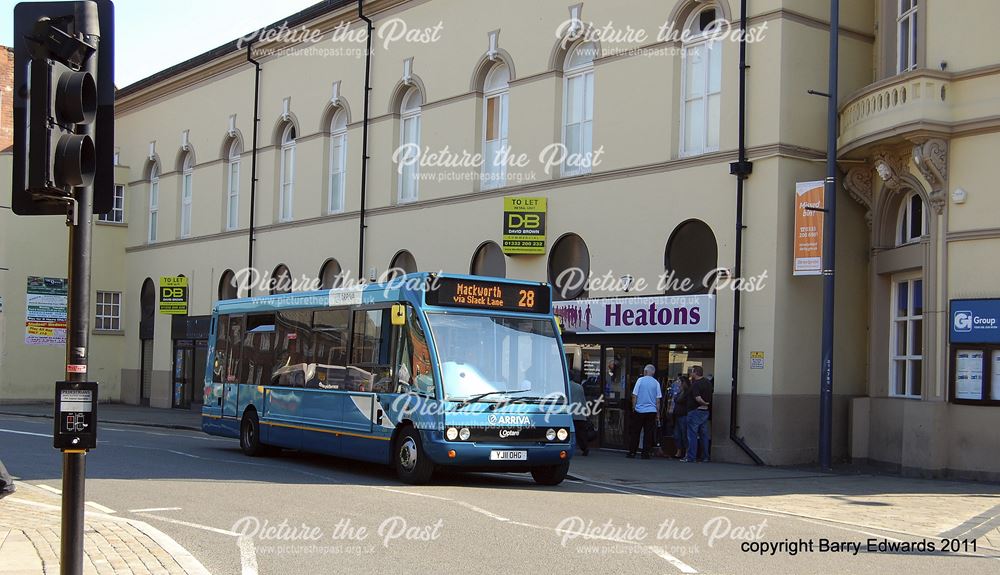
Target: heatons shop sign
975,321
656,314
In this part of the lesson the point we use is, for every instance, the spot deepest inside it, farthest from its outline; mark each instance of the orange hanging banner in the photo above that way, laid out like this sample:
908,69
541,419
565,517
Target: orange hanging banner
808,243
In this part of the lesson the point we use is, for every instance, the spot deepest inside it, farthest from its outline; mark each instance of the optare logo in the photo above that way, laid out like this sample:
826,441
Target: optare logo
963,321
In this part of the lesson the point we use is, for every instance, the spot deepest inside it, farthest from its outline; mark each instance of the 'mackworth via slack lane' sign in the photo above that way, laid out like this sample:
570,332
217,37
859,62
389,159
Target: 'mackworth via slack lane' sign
657,314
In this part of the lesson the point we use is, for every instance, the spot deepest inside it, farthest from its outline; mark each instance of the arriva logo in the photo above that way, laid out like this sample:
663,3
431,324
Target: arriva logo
963,321
495,419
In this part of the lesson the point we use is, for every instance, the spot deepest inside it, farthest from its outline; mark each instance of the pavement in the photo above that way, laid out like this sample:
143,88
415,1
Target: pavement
861,502
29,540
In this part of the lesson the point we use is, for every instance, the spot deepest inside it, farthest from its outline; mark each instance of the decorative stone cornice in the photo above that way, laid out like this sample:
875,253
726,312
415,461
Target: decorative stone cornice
858,183
931,158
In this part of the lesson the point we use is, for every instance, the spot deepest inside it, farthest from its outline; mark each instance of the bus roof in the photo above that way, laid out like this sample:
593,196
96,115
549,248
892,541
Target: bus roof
409,287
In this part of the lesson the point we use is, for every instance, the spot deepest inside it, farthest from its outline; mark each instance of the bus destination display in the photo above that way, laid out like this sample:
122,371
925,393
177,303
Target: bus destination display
531,298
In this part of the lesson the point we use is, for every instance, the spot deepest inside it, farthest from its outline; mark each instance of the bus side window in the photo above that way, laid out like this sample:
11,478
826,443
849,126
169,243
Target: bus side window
414,363
258,355
293,348
370,368
331,330
221,347
231,367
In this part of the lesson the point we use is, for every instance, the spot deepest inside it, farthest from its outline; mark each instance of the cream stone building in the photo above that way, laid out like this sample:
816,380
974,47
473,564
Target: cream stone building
651,126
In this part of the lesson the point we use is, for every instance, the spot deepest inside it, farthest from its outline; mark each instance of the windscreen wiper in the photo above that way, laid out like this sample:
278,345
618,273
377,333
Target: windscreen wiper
477,397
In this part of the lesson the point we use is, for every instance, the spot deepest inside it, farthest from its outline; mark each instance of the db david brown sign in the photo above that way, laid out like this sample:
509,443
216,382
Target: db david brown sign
656,314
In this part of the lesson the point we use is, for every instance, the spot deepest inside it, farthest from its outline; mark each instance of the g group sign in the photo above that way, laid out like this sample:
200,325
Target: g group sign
975,321
524,225
174,295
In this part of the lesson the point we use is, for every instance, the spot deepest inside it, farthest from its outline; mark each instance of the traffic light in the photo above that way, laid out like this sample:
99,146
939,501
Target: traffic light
63,105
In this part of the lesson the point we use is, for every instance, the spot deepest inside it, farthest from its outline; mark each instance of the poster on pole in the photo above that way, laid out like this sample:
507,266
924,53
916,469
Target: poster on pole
808,243
46,312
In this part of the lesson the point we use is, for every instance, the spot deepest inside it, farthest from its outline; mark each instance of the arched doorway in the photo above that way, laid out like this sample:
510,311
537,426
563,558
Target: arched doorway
488,261
147,317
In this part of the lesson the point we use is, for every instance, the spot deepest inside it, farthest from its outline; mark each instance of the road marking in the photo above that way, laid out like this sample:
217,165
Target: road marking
439,498
489,514
100,507
49,489
188,524
248,557
151,509
663,554
47,435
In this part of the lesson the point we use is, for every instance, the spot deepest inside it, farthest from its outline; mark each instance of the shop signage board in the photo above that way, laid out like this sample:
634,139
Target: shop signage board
173,295
975,321
524,225
644,314
45,314
808,243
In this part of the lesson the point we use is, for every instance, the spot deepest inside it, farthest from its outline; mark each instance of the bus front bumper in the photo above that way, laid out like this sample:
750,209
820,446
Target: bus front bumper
497,456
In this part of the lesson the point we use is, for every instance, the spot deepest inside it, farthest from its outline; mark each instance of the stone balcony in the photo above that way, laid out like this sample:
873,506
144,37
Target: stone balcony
918,105
897,107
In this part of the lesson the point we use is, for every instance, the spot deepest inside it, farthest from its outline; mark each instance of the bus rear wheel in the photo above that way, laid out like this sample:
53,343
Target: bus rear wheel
411,463
250,436
550,474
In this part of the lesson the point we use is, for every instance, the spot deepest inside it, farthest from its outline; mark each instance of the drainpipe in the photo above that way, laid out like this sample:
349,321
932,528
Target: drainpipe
741,169
364,142
253,164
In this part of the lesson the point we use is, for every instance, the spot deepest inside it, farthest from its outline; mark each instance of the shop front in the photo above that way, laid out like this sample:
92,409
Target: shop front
190,354
609,341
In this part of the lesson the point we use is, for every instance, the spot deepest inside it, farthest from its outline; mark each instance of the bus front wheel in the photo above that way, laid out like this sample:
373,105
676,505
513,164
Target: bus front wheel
550,474
250,436
411,463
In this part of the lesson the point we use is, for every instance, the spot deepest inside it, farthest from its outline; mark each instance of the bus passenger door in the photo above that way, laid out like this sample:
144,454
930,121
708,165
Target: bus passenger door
230,373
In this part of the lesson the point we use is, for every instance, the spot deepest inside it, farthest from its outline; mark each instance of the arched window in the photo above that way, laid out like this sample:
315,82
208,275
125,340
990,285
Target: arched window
338,162
281,280
331,275
578,106
233,187
409,142
154,200
187,194
569,267
402,263
911,224
147,300
690,259
495,94
489,261
227,286
701,73
286,173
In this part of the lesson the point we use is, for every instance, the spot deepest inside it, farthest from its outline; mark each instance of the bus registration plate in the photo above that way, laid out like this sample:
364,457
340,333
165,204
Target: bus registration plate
508,455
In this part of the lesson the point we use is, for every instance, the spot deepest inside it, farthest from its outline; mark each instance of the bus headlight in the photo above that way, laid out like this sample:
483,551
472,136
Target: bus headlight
464,434
550,435
563,435
451,434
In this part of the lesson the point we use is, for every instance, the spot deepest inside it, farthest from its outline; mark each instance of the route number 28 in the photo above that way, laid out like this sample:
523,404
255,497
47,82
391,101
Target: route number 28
527,298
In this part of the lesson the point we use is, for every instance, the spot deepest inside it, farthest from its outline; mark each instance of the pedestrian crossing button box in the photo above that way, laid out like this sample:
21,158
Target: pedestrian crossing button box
75,415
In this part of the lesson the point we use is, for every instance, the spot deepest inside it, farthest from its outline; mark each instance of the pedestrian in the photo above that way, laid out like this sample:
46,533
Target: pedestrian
679,391
578,403
699,400
6,482
646,397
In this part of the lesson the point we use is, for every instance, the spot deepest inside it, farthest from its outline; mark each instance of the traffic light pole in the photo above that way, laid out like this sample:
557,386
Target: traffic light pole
80,222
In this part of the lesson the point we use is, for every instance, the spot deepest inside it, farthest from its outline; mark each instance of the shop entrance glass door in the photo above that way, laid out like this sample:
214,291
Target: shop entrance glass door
622,366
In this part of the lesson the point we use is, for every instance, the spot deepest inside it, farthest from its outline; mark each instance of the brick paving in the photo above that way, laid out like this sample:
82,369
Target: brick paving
29,540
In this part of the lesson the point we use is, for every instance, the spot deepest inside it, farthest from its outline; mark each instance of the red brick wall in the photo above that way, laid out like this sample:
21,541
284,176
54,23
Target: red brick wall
6,97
